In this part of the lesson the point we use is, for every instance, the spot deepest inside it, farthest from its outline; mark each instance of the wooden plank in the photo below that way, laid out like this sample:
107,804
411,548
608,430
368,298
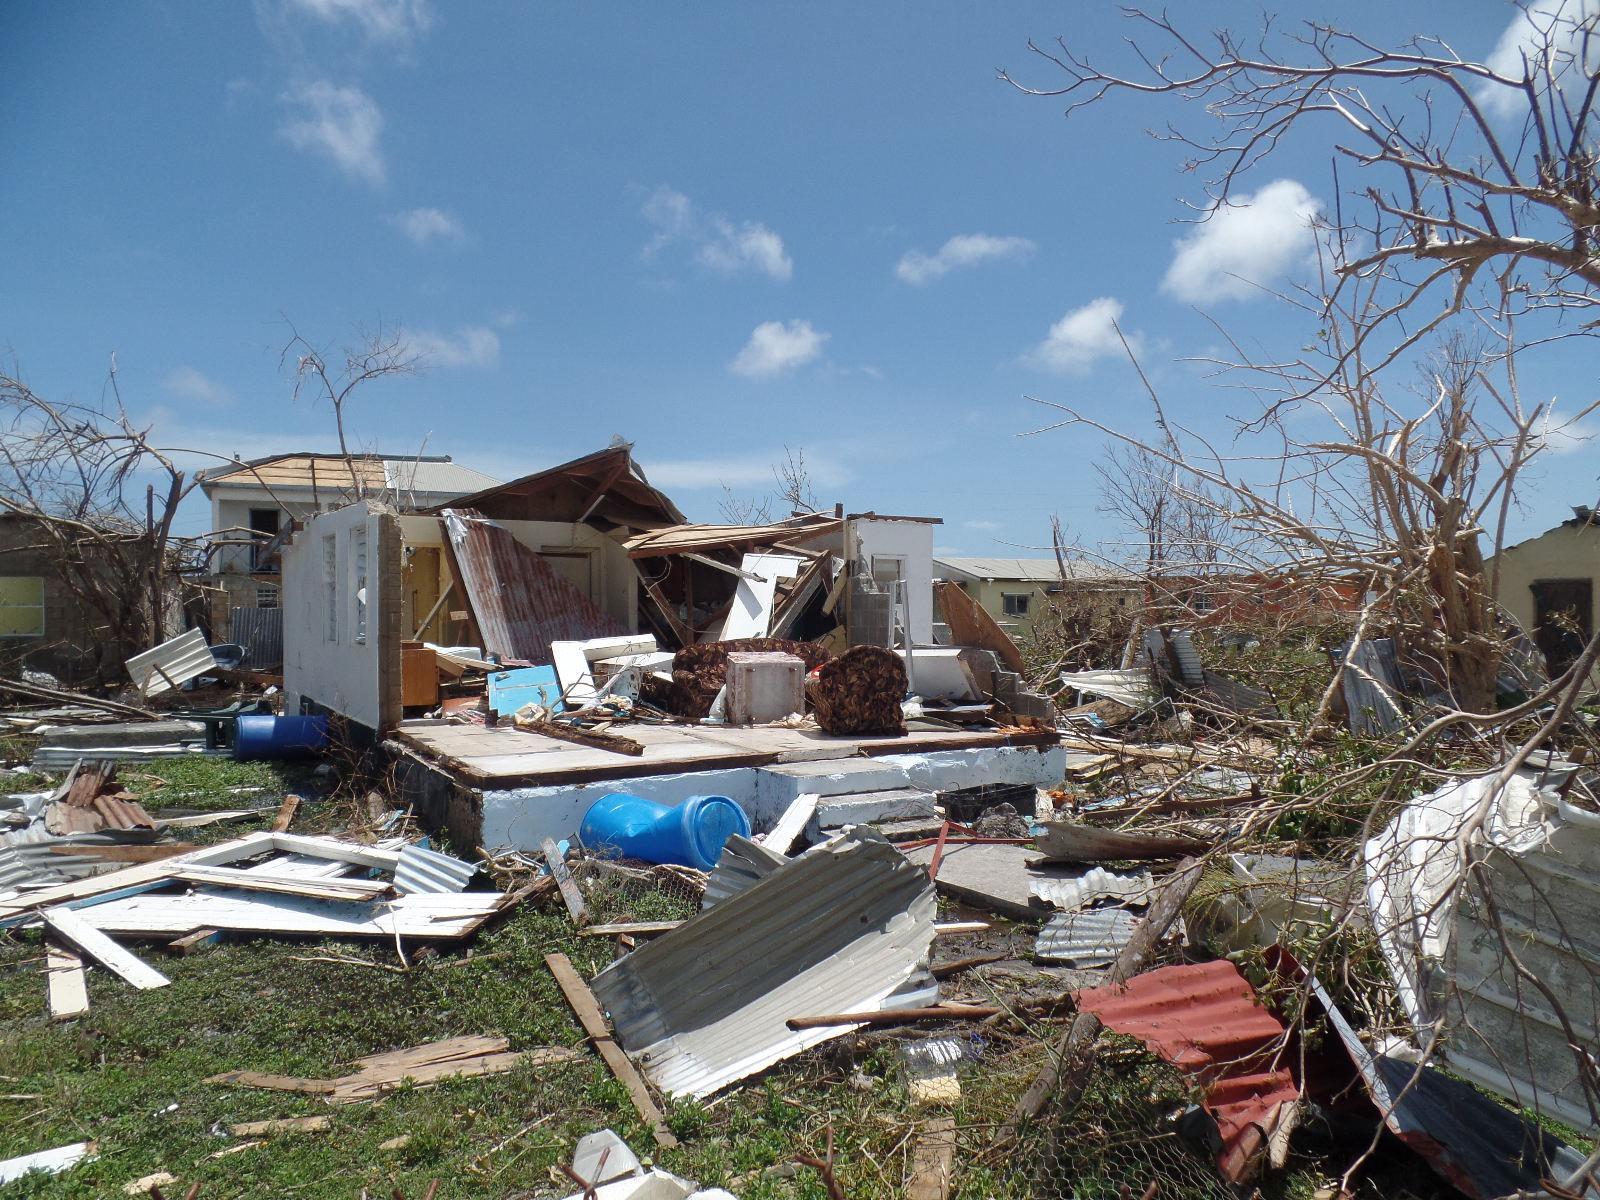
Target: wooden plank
189,943
442,1051
570,894
971,625
281,1125
102,949
933,1160
419,676
891,1016
587,1010
369,1085
127,854
336,850
792,824
313,887
561,731
286,814
145,875
66,986
275,1083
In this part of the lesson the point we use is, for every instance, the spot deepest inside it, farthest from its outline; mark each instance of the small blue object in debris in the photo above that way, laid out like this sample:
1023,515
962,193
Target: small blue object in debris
257,735
510,690
690,834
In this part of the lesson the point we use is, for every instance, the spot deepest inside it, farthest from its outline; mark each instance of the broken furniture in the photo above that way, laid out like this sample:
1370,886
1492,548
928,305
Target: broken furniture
764,687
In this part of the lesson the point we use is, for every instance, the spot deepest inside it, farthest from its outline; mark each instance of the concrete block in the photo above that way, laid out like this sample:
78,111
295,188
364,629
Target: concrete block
764,687
865,808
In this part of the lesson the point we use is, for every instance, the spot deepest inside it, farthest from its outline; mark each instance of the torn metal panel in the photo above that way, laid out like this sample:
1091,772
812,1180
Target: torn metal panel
1073,892
260,632
1371,687
1205,1020
743,863
840,928
1131,687
171,664
424,870
1092,938
519,602
1414,870
1481,1147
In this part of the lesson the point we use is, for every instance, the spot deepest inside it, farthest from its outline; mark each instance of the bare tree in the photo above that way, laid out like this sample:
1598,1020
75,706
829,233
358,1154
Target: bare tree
374,354
1396,494
792,494
1467,240
98,500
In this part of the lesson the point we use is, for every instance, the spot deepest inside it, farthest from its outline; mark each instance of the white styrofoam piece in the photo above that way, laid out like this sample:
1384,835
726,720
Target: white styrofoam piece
51,1162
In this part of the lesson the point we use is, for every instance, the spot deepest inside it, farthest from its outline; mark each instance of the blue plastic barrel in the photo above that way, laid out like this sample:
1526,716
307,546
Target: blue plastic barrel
257,735
690,834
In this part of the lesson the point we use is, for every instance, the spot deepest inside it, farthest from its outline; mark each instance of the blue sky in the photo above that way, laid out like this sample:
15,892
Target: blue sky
717,230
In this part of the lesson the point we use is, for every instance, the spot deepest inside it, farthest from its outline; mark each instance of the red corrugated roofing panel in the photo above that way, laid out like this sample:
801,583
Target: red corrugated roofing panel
1205,1020
520,603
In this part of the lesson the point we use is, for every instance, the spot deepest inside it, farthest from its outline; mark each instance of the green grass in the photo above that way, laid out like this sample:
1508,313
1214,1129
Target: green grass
130,1074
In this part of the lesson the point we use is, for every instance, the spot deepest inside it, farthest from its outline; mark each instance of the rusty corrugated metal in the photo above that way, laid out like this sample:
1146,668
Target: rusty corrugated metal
1204,1019
520,603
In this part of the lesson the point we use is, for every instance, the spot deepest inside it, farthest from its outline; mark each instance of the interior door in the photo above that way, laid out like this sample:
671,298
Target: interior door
1563,616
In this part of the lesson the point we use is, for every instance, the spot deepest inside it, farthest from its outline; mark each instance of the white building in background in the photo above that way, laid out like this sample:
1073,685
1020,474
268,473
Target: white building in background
253,504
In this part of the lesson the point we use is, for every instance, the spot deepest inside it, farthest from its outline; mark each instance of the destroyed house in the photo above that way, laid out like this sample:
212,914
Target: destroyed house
584,585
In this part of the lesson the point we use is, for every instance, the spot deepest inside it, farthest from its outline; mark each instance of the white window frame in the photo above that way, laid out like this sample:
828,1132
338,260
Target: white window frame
39,607
1010,609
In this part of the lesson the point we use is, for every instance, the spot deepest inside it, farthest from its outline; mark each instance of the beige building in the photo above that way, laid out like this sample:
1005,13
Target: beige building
1548,584
1015,591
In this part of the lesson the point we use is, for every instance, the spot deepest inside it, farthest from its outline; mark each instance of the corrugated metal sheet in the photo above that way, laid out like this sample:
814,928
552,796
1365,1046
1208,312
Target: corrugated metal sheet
433,479
837,929
424,870
61,758
742,864
1131,687
1371,686
1479,1146
1204,1019
1091,938
520,603
1074,892
177,661
260,632
1030,570
1540,860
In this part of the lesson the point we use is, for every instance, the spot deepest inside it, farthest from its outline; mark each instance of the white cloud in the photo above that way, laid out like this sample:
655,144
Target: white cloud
985,526
186,383
1081,337
1245,246
342,124
424,225
776,347
1561,436
1547,32
963,250
396,22
470,346
718,243
742,471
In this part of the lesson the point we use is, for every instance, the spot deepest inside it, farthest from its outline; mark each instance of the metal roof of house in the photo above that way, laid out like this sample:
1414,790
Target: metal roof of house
1023,570
433,476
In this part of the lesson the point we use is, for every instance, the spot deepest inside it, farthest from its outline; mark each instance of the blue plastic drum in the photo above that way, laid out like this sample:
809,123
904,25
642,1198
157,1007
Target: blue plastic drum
690,834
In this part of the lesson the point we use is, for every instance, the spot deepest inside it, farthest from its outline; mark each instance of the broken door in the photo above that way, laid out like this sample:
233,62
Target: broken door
1563,620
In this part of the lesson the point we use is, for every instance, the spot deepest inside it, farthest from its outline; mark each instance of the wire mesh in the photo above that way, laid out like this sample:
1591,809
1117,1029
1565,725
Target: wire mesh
1125,1130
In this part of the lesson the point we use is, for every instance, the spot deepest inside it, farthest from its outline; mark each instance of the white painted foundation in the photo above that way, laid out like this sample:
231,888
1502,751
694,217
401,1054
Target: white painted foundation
520,818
